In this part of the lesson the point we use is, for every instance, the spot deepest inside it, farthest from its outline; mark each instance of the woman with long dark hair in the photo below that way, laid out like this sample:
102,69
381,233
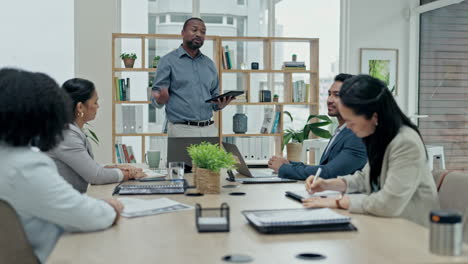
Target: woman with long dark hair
34,111
74,155
396,182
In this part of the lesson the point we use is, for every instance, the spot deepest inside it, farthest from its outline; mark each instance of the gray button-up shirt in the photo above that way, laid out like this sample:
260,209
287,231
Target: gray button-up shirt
191,81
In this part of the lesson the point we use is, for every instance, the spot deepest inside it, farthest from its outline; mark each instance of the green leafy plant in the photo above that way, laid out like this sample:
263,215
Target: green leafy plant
303,134
128,56
211,157
90,134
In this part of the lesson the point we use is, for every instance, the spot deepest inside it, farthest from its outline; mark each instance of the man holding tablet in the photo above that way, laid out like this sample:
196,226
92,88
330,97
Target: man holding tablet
184,80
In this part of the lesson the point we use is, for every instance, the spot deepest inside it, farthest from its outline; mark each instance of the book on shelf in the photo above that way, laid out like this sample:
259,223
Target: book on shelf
268,116
224,58
117,154
131,154
229,57
275,128
300,92
298,220
294,68
125,151
122,89
294,64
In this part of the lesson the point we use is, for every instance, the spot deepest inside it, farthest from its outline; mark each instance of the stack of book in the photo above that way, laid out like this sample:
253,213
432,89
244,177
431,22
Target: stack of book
122,89
124,154
271,118
300,92
228,58
294,65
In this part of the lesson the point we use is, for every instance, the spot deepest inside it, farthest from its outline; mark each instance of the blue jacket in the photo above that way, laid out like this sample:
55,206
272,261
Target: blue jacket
346,155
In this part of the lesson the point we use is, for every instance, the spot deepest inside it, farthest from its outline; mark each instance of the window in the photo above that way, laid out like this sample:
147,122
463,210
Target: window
443,81
240,2
179,18
290,22
162,19
212,19
230,20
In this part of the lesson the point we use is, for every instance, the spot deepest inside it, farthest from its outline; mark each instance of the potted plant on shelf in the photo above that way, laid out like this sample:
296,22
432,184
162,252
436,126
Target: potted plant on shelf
294,148
156,61
128,59
208,160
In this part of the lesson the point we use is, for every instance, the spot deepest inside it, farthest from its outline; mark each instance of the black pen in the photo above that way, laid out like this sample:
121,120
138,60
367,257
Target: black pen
294,196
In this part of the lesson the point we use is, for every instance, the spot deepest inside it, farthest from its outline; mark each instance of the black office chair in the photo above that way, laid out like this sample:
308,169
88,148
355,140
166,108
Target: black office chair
14,246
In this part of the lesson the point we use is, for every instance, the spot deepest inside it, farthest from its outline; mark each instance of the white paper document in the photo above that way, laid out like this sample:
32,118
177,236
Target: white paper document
155,173
139,207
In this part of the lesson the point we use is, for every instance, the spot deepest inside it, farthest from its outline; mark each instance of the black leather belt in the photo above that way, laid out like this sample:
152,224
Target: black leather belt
196,123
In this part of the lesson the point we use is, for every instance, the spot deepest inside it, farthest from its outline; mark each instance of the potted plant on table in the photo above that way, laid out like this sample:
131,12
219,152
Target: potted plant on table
294,148
208,160
128,59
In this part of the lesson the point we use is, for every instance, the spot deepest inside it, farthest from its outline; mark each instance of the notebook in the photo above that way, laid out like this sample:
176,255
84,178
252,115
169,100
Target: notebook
298,220
159,187
232,178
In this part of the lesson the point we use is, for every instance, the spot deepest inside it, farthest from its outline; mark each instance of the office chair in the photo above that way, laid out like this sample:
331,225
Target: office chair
453,195
14,246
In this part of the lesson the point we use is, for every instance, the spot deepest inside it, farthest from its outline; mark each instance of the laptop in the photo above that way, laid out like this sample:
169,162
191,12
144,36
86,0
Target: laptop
257,175
177,148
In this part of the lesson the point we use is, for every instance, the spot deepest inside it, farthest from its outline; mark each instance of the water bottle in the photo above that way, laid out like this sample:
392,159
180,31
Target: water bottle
446,232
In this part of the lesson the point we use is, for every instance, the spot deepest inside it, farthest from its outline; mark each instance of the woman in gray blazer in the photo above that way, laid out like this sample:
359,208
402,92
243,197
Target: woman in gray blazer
396,182
74,156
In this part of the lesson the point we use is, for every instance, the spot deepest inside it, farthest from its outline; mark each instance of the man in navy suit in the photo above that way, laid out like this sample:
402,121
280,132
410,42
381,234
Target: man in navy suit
344,154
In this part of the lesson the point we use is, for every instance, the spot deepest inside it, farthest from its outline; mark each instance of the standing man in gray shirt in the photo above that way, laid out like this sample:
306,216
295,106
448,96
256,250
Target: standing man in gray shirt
184,80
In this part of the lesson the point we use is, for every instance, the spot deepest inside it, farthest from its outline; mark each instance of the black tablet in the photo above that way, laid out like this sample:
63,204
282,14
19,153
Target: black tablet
230,93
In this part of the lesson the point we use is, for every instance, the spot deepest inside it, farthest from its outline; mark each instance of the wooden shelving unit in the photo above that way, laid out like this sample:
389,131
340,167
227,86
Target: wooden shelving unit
218,41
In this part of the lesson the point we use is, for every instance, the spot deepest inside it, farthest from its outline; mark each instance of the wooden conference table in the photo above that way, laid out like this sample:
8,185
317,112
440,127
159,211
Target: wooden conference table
173,237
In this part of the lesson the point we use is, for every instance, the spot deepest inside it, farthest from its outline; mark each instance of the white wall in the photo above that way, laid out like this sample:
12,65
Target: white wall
94,23
38,36
380,24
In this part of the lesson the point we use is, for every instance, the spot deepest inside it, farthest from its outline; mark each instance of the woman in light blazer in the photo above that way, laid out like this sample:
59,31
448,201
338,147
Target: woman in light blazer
396,181
33,114
74,156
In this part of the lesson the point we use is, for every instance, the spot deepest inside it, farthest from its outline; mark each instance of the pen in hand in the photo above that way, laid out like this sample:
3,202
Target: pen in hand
317,175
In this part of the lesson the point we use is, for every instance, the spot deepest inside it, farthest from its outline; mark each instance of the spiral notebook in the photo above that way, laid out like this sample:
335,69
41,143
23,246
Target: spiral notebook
298,220
156,187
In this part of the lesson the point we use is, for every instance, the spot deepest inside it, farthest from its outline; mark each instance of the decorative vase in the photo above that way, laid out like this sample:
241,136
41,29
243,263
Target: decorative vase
128,62
294,151
239,123
207,181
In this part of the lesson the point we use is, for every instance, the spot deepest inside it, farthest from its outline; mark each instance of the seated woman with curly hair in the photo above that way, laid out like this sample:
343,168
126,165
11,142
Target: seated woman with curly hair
34,111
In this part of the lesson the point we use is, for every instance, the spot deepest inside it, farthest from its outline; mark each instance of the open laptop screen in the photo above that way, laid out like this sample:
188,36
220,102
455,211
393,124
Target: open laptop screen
177,148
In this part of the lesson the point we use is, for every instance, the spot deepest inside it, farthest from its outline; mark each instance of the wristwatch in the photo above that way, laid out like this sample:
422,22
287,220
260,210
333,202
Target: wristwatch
337,201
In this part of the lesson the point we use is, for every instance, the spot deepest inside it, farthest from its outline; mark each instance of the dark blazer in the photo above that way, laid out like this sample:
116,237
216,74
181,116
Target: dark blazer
346,155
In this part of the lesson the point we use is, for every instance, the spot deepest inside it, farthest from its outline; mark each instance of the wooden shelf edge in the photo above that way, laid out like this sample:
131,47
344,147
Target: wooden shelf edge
238,103
134,69
268,71
251,135
141,135
132,102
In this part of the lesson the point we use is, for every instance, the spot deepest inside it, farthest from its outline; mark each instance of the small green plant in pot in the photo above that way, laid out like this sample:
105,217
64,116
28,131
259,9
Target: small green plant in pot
128,59
294,148
208,160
